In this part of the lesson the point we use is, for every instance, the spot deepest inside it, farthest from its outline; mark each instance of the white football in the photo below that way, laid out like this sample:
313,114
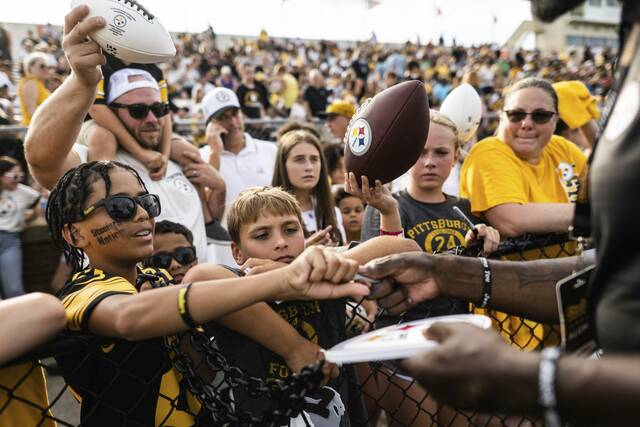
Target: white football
464,107
132,33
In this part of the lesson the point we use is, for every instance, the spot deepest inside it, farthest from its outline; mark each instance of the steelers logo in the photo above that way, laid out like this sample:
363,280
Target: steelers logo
182,185
223,96
359,140
119,21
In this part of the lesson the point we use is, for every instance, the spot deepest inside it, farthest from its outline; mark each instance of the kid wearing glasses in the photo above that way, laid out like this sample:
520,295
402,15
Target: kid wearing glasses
102,212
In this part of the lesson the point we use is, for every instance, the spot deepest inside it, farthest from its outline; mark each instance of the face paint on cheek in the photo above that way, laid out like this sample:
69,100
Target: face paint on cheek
107,234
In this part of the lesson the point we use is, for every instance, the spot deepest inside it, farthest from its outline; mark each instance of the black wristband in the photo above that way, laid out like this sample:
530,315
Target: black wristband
183,307
486,283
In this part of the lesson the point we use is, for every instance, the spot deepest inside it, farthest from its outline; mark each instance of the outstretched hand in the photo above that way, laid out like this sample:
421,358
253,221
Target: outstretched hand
84,55
321,273
407,279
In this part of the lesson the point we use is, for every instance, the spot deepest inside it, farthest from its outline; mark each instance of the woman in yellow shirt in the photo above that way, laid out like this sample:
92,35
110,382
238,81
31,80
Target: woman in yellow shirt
31,88
524,180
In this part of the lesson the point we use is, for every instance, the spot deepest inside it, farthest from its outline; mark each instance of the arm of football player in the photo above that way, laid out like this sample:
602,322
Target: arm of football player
27,321
524,288
316,274
463,370
56,124
513,219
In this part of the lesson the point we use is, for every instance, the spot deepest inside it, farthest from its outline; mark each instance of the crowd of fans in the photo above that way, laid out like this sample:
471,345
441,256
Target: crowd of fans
312,84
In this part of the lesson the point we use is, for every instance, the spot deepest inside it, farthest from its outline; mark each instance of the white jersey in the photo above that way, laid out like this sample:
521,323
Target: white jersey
178,197
252,166
13,205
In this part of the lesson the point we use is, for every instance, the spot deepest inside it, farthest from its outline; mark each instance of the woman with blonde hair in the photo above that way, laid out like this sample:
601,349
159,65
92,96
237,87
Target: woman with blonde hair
32,89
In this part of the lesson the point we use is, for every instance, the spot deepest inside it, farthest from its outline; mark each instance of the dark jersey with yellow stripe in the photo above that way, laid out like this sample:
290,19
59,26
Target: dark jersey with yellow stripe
120,383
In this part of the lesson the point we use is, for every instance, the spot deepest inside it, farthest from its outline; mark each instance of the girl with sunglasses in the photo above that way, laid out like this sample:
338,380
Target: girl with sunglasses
102,213
524,179
15,201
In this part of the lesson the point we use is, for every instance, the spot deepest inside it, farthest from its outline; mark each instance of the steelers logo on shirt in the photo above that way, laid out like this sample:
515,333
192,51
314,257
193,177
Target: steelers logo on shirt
182,185
359,137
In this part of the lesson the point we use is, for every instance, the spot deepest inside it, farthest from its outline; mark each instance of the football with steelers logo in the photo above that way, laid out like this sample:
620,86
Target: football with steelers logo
388,132
132,34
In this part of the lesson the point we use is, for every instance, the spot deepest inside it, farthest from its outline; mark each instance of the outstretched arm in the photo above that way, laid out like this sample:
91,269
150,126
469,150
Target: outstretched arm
56,124
27,321
525,288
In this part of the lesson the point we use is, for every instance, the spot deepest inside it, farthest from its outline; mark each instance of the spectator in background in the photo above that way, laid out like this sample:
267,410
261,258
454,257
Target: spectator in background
17,203
6,101
32,90
5,45
301,170
352,210
252,94
316,95
338,115
226,78
242,160
334,154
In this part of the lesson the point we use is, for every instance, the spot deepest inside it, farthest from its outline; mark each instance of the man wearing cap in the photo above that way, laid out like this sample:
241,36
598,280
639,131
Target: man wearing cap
242,160
135,99
338,115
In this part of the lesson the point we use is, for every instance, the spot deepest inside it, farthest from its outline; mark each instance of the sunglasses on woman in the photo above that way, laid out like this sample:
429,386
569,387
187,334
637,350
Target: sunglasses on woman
539,116
14,176
140,111
123,208
184,255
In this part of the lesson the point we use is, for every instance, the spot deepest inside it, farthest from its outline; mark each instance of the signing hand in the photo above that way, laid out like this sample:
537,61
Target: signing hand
409,280
84,55
474,369
321,273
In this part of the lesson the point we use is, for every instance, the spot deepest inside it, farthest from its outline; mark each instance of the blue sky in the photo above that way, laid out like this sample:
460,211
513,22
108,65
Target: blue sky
469,21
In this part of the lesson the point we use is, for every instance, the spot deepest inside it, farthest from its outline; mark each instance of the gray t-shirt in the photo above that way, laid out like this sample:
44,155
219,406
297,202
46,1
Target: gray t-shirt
436,228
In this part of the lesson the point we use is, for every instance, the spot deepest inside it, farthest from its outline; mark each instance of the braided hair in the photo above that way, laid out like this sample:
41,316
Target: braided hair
67,203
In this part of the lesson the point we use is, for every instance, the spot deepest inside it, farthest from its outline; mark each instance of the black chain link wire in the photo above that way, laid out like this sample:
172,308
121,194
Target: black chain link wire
390,397
287,396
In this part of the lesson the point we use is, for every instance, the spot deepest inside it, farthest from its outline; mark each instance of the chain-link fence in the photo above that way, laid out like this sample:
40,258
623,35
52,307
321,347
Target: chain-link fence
222,378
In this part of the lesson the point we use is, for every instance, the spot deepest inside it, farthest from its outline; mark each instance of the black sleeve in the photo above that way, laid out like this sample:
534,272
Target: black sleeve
265,95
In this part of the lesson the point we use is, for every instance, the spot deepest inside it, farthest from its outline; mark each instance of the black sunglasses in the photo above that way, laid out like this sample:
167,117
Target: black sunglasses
183,255
123,208
539,116
140,111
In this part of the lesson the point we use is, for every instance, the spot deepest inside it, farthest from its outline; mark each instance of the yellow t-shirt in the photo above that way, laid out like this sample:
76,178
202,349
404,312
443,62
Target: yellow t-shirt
27,384
43,93
493,175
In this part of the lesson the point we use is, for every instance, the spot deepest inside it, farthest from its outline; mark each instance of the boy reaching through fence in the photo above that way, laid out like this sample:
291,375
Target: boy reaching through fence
102,210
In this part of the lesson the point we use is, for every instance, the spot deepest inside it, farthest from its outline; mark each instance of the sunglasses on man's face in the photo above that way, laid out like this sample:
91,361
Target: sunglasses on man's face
539,116
140,111
123,208
184,256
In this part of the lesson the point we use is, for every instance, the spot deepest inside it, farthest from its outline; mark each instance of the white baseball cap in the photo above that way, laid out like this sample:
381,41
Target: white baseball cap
217,101
128,79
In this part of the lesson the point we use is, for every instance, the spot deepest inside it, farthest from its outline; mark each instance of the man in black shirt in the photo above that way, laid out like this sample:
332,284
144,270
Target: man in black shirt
253,95
316,94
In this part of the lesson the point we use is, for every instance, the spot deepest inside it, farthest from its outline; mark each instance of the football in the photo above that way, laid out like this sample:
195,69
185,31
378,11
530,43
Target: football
387,134
132,33
464,107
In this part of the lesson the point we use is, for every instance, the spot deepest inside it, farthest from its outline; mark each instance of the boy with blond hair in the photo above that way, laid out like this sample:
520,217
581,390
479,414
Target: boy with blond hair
265,225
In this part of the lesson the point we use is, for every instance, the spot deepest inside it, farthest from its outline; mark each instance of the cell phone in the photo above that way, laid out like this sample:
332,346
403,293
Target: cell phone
223,137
